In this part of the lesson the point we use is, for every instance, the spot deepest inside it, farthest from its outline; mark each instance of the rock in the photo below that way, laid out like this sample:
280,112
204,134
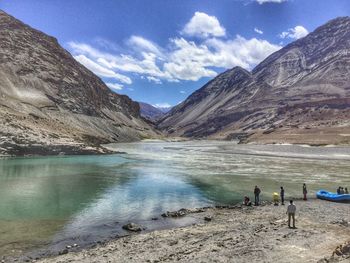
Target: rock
63,252
132,227
342,250
208,218
154,218
68,247
344,223
179,213
173,243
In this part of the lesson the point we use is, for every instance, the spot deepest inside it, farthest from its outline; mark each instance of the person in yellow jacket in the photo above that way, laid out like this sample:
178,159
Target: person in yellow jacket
275,198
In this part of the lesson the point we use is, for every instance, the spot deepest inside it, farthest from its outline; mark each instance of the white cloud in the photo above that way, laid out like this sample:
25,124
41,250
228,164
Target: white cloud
153,79
240,51
258,31
294,33
182,92
162,105
140,43
100,70
114,86
180,59
270,1
203,25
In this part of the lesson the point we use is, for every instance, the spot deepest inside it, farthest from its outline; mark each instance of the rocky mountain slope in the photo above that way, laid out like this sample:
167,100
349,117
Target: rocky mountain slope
49,103
299,94
150,112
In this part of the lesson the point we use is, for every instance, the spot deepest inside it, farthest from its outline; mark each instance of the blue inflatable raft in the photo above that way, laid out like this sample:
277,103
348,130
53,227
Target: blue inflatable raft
322,194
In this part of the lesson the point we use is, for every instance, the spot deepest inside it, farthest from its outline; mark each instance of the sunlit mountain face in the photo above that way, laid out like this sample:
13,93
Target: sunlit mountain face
302,89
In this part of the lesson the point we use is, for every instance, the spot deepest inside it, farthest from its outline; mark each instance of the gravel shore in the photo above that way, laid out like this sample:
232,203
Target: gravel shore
236,234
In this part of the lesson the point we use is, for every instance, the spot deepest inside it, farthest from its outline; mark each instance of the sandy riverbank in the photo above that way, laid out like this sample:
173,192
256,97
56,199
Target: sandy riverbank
248,234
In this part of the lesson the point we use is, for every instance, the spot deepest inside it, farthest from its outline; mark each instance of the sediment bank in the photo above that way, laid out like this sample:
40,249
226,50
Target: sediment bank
233,234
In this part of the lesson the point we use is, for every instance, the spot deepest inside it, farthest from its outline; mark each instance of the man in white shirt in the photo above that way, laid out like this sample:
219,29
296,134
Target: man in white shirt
291,213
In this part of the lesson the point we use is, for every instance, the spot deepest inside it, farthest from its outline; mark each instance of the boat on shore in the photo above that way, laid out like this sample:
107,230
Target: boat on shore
329,196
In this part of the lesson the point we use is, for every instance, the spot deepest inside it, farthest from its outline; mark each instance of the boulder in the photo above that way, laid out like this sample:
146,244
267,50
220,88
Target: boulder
132,227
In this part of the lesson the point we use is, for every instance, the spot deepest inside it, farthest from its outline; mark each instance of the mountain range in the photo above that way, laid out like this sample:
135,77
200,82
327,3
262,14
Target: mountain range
299,94
151,112
51,104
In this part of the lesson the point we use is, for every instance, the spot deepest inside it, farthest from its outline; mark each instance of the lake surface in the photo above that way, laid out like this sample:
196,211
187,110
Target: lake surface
50,202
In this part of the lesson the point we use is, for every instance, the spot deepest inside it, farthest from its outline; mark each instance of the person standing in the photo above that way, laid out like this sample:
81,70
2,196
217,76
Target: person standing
305,192
291,213
282,195
346,191
257,192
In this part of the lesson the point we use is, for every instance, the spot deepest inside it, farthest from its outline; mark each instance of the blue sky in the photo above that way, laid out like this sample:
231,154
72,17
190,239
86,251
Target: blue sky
160,51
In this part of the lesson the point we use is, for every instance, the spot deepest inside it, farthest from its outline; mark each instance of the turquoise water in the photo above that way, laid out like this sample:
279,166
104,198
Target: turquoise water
54,201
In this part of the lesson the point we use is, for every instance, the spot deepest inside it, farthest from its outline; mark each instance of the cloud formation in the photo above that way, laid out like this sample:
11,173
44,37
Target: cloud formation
180,60
114,86
100,70
140,43
295,33
153,79
203,25
258,31
162,105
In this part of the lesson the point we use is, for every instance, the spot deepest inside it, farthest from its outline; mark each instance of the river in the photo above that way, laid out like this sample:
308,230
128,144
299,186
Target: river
47,203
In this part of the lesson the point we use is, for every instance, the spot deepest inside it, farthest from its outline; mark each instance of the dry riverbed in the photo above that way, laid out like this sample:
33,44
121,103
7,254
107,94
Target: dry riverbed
233,234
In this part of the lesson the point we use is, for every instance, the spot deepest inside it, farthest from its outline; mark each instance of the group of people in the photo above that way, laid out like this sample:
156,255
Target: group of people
342,191
291,207
257,193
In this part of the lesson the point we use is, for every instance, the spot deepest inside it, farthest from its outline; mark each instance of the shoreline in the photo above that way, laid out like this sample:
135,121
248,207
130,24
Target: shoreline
73,149
232,233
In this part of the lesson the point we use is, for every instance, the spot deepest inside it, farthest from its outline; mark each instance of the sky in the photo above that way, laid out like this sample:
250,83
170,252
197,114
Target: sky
160,51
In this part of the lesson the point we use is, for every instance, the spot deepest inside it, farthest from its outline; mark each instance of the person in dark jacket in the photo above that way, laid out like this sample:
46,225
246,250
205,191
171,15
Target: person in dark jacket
338,190
304,192
246,201
282,195
257,192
